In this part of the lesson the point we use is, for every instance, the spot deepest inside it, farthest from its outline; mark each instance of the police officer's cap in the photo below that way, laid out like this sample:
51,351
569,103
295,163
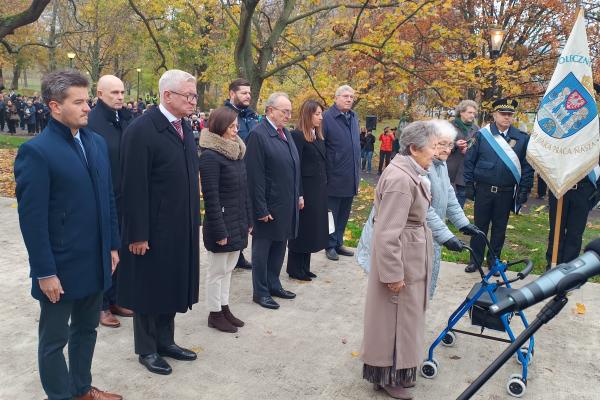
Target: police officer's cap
505,105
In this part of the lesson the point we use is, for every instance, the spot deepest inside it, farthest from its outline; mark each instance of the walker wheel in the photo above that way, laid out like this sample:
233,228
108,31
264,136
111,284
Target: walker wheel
429,369
516,386
449,339
525,351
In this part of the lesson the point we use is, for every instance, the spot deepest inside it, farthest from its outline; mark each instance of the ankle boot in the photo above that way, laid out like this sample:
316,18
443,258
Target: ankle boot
229,316
217,320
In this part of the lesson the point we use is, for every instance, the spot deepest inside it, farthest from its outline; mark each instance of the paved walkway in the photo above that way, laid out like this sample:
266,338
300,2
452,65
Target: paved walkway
305,350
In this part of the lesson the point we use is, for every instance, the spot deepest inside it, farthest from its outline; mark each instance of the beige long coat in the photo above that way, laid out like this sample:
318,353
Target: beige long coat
402,250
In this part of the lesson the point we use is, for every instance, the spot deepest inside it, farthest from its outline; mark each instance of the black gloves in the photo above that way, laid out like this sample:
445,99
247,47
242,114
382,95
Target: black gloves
522,197
470,191
470,230
454,244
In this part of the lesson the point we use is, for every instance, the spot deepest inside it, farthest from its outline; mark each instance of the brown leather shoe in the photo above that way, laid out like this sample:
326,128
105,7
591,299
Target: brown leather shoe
97,394
107,319
121,311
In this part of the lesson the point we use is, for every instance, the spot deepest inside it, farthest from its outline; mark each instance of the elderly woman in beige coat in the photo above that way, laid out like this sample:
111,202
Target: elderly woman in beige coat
402,254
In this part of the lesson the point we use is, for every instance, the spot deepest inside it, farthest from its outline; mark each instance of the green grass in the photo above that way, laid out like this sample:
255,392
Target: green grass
11,142
526,236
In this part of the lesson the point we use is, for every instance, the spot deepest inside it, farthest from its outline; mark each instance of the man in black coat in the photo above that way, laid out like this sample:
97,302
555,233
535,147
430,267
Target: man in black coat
273,169
160,270
240,96
109,119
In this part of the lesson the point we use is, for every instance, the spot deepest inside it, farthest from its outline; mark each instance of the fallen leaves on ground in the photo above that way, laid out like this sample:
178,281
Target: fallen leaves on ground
7,178
580,308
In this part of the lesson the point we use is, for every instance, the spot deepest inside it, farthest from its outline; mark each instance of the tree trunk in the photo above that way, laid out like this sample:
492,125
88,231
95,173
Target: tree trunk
1,78
16,75
52,38
25,83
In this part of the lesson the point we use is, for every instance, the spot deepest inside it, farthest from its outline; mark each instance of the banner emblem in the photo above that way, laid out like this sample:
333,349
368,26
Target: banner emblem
566,109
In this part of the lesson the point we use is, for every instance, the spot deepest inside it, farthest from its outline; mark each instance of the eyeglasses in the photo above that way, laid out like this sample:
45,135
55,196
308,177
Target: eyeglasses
448,146
192,98
287,113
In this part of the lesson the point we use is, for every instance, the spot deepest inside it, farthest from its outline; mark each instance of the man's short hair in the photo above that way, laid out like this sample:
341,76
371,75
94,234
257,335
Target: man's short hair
235,85
55,84
171,80
274,97
342,89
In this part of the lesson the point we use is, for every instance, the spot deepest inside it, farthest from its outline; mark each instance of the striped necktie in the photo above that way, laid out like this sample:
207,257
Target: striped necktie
177,125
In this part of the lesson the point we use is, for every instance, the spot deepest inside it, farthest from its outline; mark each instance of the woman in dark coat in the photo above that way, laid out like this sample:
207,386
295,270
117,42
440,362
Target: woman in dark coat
313,227
227,211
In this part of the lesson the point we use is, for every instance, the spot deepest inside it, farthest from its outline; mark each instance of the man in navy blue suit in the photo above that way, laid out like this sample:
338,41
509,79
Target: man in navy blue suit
68,220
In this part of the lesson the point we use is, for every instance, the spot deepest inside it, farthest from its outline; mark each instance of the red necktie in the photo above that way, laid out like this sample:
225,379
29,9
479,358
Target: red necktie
177,125
281,134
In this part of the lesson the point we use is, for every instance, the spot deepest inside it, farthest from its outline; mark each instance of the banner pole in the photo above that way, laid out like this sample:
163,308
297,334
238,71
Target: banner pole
555,243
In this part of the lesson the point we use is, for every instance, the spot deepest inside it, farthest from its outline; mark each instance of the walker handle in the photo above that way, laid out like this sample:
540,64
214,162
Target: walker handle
525,271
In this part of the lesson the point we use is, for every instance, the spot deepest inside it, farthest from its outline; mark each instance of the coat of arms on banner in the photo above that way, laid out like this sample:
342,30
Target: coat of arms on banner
566,109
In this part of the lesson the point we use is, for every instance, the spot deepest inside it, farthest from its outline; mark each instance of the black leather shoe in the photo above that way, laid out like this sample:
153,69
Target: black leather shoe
178,353
470,268
300,278
331,254
244,265
284,294
266,302
311,275
344,251
155,364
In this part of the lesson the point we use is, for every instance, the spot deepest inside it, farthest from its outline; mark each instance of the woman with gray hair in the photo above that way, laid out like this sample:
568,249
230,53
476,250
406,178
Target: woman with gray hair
400,266
443,201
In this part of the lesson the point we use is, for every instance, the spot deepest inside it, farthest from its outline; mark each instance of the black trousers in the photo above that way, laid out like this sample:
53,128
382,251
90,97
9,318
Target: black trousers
572,224
2,120
152,332
12,126
340,208
267,260
241,258
59,381
384,155
542,187
491,208
298,264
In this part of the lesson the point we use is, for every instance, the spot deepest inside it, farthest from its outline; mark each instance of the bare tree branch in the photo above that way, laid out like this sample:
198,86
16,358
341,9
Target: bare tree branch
12,49
163,63
8,23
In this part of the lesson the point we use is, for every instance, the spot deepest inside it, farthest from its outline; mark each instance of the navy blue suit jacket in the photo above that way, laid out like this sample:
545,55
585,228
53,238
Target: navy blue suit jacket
67,210
342,144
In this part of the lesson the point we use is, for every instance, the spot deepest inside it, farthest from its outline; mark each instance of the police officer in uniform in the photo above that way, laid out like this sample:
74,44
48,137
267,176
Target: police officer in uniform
577,203
497,177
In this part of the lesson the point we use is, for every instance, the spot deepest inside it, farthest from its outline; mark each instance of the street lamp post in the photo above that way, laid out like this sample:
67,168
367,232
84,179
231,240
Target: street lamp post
496,39
71,56
138,85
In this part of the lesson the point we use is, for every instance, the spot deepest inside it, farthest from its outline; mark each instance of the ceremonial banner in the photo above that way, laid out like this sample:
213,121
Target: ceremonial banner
564,145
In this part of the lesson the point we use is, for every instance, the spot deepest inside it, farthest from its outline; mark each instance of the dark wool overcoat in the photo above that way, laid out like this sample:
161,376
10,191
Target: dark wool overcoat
161,205
274,182
313,230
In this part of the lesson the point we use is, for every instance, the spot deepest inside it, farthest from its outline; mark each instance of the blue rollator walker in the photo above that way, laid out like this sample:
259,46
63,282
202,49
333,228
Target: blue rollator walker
480,298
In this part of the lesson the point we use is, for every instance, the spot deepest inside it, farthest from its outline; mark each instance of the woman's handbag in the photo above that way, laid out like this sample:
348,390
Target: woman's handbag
363,250
331,222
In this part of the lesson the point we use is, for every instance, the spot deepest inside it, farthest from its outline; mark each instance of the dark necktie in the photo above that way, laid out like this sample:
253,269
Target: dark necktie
177,125
281,134
80,149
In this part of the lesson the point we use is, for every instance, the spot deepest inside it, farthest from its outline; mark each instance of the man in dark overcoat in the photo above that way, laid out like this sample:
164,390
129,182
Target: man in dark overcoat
273,169
342,141
68,220
110,119
160,269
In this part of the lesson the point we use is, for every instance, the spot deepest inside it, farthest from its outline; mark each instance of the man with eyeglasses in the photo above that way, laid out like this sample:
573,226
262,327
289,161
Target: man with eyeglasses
342,143
273,169
497,177
159,274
